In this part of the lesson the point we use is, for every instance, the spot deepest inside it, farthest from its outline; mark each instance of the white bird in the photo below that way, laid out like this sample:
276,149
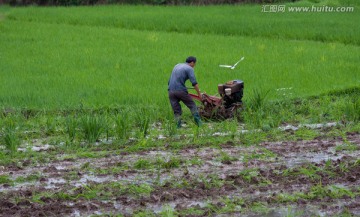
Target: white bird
233,66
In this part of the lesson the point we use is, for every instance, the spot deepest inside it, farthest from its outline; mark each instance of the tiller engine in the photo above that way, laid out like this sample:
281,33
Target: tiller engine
225,106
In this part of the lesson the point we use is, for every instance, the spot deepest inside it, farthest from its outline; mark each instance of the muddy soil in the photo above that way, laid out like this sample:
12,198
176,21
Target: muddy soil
258,180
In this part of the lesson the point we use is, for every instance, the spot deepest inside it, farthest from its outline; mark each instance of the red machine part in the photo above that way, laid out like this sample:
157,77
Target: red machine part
214,100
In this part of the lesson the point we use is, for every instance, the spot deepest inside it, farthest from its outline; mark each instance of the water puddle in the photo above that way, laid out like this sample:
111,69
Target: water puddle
296,159
67,172
53,183
160,207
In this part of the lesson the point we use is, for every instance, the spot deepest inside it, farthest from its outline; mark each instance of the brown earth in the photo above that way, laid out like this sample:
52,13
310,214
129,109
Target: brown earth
248,176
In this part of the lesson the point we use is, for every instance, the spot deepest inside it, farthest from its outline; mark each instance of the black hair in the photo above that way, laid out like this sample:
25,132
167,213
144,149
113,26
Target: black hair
191,59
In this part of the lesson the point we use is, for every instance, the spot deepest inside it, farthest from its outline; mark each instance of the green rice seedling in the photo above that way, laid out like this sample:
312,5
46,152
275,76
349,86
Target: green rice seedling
345,213
249,174
84,153
273,120
171,163
285,198
306,134
356,163
143,213
192,211
251,156
50,126
286,172
139,114
291,212
10,136
253,119
5,179
212,181
142,164
63,196
339,192
170,127
318,191
256,111
142,144
205,181
300,107
215,181
346,147
225,158
182,183
328,169
139,190
168,211
259,207
253,138
352,111
309,171
232,205
195,161
144,127
107,126
101,171
37,197
72,144
196,133
344,167
35,176
92,127
231,126
71,126
258,100
86,191
328,164
142,121
122,125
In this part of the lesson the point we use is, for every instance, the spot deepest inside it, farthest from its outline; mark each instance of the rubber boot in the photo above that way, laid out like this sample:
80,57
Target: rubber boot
197,119
178,122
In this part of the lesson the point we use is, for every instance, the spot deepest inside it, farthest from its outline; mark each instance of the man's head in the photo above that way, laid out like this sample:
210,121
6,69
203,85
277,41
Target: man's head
191,61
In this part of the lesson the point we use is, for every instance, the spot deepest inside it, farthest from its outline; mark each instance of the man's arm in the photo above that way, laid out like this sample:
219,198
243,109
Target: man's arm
192,79
196,86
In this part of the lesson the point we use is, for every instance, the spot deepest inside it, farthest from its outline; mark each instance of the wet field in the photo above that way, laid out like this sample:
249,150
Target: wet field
318,177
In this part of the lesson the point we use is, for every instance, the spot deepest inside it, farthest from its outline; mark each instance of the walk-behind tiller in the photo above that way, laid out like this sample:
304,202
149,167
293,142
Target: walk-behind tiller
226,106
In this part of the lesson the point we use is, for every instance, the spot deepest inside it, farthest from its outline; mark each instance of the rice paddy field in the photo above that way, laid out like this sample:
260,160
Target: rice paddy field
87,128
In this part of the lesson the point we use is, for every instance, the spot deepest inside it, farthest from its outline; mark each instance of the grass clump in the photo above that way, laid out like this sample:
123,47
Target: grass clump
122,125
352,111
172,162
71,127
346,147
10,136
142,164
92,127
5,179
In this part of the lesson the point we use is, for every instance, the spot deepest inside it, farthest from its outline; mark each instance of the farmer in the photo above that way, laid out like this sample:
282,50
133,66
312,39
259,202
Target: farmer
178,91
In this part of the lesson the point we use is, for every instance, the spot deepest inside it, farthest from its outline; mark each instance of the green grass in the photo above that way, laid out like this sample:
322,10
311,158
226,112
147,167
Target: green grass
112,56
82,74
4,179
237,20
10,137
92,127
